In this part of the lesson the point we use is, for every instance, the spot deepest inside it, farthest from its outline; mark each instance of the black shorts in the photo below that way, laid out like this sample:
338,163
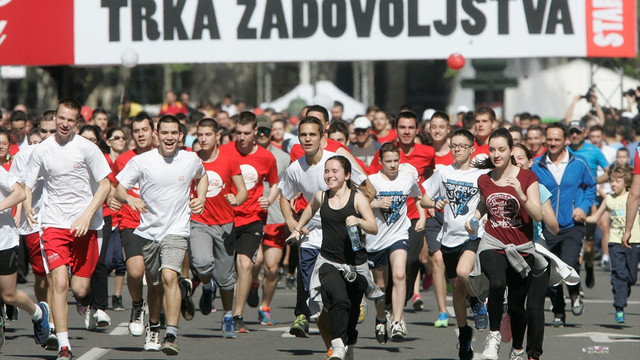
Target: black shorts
431,231
131,243
248,239
450,256
9,261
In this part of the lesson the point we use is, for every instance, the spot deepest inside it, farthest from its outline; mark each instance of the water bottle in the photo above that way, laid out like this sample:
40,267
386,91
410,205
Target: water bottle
596,350
354,235
475,224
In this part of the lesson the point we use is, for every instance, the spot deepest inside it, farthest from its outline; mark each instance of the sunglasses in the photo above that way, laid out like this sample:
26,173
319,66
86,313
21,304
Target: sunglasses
264,132
117,138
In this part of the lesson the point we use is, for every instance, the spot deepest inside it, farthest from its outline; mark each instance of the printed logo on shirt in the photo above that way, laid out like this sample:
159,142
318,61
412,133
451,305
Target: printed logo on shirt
250,176
409,169
398,199
215,184
459,193
504,208
77,166
181,178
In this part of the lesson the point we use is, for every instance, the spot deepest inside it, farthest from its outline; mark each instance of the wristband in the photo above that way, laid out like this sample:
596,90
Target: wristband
438,198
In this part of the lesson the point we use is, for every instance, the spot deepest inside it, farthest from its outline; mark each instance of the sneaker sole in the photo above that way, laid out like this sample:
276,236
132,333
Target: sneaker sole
170,351
51,344
152,348
298,332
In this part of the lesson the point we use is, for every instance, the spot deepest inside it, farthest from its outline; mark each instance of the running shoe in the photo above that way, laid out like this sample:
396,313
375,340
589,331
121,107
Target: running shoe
399,331
364,308
443,320
187,307
136,323
264,316
338,352
11,312
116,302
620,317
238,323
505,328
101,319
577,306
605,263
82,304
64,354
300,327
418,304
89,320
381,332
41,327
52,340
228,328
291,282
206,301
465,350
590,280
491,346
518,355
152,339
170,345
253,299
427,281
480,317
558,320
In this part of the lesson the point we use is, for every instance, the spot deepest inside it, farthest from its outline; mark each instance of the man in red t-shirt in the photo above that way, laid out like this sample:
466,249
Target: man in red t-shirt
212,236
535,141
486,122
258,166
172,106
633,201
142,133
419,161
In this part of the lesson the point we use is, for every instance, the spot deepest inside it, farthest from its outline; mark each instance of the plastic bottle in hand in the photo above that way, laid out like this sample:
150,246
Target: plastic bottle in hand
354,235
474,224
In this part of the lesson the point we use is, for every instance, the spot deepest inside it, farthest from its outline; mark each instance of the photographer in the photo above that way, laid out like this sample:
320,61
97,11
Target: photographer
632,96
593,99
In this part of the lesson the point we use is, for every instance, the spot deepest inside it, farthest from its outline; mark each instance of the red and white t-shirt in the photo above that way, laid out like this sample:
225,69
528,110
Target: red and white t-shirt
508,219
217,210
332,145
415,163
256,168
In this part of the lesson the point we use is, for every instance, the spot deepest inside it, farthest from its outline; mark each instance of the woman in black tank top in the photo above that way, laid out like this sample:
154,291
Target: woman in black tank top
340,206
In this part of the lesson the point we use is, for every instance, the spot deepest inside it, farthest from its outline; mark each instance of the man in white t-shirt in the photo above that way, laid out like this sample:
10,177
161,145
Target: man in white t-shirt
455,188
306,176
164,177
75,181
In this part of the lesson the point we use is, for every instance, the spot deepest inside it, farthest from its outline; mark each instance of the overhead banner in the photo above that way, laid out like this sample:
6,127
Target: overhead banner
98,32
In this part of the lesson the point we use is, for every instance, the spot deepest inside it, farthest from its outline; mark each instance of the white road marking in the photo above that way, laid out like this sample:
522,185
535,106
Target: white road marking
121,329
93,354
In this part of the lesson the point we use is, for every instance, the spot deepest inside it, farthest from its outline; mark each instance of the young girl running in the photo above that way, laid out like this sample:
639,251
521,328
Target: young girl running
341,273
511,198
390,245
623,261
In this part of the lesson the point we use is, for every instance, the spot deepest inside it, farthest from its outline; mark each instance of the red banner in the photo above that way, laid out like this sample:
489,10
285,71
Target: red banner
36,32
611,28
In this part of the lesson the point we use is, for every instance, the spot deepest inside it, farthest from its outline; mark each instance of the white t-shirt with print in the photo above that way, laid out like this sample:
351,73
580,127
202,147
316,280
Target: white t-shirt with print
300,177
393,223
9,237
164,187
460,187
71,173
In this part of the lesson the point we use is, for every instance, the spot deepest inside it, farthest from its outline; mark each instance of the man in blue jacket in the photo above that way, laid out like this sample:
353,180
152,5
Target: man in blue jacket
573,191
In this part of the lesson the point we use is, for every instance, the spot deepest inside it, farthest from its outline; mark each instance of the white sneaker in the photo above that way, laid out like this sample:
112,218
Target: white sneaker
492,345
338,350
517,355
89,320
101,319
152,340
399,331
136,323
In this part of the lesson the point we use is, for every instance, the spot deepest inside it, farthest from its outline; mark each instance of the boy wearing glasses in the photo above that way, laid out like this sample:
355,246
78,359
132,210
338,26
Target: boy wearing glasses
454,188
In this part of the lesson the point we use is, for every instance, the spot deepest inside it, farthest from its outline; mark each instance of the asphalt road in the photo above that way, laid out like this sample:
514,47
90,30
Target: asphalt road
200,338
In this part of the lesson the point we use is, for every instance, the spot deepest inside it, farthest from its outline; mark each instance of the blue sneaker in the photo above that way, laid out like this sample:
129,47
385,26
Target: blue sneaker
620,316
205,301
264,316
253,299
480,318
228,328
41,327
443,320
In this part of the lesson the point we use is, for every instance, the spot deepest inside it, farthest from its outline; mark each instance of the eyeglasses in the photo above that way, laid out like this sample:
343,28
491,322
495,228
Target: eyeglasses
117,138
460,146
44,131
264,132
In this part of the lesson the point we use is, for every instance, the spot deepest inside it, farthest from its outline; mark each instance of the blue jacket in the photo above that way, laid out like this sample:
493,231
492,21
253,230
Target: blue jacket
577,187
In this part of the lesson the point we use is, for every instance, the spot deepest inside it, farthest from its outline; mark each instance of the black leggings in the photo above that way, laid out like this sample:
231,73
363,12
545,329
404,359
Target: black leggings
100,276
343,299
538,283
501,275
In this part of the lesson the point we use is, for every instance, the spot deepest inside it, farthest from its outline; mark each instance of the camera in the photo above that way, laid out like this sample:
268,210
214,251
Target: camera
630,92
587,96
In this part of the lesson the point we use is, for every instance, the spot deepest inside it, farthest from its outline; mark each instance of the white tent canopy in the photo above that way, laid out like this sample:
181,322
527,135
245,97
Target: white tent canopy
322,93
548,89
